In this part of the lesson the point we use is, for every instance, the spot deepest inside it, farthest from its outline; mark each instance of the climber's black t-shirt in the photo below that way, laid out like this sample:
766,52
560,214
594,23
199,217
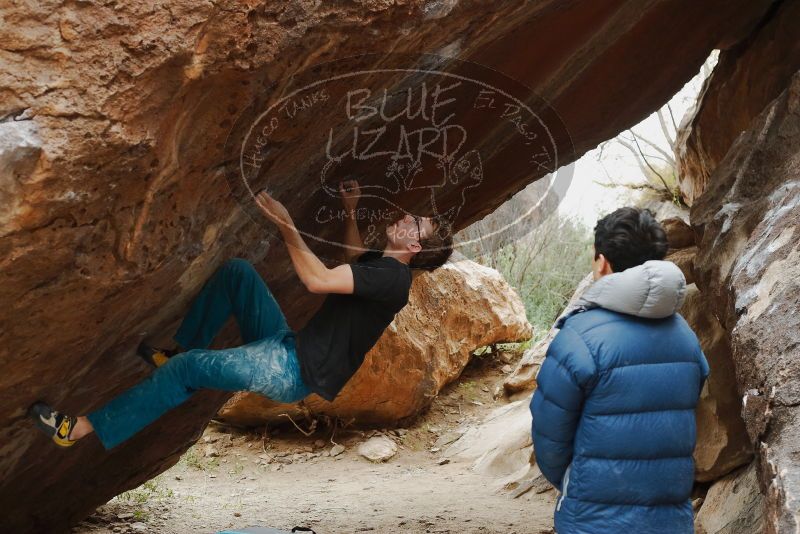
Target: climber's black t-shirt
332,345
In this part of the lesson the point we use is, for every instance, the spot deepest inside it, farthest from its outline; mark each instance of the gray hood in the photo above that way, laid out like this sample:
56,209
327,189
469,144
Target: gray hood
653,290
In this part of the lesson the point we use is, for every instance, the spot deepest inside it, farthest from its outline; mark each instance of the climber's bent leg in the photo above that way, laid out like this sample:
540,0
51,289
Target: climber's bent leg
235,288
168,386
268,366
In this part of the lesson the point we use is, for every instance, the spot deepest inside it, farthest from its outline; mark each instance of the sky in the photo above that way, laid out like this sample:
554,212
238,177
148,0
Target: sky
588,200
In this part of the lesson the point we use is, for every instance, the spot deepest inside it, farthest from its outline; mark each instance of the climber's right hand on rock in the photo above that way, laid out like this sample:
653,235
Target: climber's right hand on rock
350,192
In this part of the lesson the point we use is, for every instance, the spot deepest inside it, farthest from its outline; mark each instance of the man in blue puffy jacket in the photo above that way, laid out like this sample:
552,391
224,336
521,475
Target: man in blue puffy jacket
613,413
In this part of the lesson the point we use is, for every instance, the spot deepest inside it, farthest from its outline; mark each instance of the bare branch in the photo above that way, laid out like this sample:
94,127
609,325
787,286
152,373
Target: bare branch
635,187
311,429
670,137
663,181
672,117
670,158
639,158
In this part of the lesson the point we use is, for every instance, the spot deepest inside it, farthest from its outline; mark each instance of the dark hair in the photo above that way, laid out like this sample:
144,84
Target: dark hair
436,249
629,237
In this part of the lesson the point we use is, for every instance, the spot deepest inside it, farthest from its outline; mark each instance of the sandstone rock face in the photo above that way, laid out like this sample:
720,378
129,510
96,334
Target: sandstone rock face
746,79
499,446
722,441
523,376
451,312
748,268
733,505
115,206
679,233
682,249
684,259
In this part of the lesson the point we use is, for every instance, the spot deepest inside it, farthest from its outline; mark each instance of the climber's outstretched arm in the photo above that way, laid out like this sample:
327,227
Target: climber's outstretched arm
353,245
312,272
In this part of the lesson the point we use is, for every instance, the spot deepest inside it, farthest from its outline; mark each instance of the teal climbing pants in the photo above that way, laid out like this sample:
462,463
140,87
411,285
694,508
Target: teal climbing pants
266,364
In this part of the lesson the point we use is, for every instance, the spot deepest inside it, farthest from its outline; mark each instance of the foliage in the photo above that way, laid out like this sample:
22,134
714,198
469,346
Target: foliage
661,184
195,458
544,267
149,491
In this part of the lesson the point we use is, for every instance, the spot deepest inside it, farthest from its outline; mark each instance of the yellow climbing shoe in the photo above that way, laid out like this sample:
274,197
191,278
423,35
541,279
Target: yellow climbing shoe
56,425
154,356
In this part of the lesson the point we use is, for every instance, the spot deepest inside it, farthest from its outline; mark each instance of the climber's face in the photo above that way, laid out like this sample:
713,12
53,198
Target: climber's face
407,232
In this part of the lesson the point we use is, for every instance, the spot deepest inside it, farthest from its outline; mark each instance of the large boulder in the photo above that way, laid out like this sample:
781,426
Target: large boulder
450,313
500,446
118,208
746,78
748,268
733,505
722,441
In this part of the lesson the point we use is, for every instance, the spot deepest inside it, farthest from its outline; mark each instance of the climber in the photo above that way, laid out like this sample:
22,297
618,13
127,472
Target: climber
362,299
613,412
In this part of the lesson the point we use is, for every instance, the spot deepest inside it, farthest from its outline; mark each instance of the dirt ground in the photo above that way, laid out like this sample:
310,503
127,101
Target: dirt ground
235,478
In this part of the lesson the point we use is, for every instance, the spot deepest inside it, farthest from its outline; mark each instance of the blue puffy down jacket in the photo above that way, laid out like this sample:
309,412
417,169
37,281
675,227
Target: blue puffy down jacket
614,410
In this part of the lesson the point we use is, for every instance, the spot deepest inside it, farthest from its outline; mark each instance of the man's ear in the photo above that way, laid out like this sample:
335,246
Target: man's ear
605,267
414,247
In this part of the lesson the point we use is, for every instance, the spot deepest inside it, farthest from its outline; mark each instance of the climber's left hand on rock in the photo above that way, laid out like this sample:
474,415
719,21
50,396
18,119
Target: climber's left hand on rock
273,210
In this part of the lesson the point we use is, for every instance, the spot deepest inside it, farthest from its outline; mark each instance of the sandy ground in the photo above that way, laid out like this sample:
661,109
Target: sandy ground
234,479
